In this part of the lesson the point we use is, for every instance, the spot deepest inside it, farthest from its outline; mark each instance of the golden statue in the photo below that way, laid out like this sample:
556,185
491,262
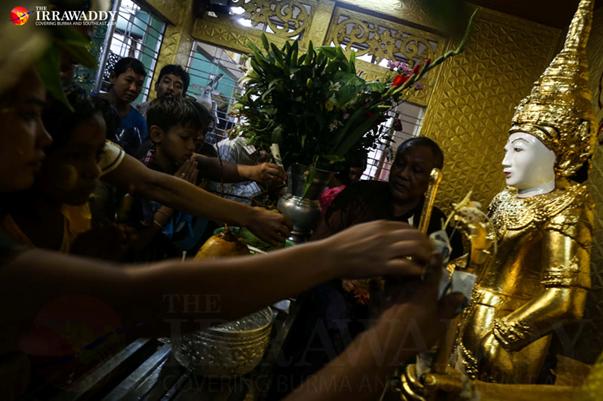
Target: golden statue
543,222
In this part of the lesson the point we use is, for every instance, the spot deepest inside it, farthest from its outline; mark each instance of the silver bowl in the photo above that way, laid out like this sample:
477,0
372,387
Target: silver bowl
231,349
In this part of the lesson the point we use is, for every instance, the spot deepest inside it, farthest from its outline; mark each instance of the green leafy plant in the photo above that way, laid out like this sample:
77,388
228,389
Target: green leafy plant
314,105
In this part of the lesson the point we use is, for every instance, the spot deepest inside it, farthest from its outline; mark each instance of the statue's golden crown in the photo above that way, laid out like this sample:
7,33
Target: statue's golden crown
559,111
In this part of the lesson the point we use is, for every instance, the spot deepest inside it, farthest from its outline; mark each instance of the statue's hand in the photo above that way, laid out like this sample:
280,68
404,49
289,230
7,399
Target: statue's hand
494,361
476,226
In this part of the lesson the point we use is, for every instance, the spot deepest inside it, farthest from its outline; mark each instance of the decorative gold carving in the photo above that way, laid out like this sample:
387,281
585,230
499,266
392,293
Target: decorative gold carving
384,40
286,18
472,102
381,38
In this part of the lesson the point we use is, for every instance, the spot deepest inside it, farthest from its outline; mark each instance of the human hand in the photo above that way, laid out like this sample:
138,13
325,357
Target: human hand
267,173
188,171
268,225
415,304
377,248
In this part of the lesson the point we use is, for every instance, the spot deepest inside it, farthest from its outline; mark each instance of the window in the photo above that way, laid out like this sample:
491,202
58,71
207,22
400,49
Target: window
380,160
137,33
215,73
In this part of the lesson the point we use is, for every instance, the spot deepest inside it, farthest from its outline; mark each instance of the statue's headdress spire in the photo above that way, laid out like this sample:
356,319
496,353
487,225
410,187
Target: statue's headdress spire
559,111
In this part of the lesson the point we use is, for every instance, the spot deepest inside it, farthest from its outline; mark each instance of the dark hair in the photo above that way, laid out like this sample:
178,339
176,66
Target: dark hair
128,62
60,121
169,112
355,158
204,115
411,143
175,69
111,116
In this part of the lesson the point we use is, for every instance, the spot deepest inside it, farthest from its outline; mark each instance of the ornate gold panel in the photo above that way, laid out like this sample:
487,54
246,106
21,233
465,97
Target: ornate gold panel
286,19
383,40
470,109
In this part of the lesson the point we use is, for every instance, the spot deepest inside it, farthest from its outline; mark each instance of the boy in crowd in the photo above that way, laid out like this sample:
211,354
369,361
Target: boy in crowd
175,123
127,79
172,81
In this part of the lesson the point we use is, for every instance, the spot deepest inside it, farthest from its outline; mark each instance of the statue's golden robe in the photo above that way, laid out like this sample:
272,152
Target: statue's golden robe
538,280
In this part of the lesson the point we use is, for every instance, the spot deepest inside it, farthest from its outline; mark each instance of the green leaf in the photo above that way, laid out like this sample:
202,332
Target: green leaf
352,63
265,42
295,51
328,51
310,54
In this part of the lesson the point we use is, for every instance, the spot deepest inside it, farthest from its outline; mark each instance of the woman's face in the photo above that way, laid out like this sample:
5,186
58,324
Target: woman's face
409,175
69,173
22,134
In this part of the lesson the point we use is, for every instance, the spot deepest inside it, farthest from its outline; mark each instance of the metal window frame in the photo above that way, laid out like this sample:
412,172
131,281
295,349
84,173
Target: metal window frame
141,48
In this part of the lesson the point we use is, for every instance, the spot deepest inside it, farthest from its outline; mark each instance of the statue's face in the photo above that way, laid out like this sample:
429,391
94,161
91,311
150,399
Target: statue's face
527,163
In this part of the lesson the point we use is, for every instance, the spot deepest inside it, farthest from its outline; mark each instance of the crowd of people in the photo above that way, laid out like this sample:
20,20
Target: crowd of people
93,187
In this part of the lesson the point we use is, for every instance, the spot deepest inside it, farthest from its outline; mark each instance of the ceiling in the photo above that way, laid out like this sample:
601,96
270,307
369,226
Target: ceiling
549,12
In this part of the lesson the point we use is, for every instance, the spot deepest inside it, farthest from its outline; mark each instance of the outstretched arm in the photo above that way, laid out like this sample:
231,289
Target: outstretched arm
361,372
134,177
202,292
225,171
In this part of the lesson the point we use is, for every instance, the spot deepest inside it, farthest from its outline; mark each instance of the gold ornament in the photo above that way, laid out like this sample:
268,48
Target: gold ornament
559,111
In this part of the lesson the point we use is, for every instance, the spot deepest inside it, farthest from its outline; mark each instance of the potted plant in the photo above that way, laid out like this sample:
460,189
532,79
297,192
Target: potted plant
315,107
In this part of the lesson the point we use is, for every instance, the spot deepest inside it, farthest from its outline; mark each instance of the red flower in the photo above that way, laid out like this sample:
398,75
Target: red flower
399,80
420,67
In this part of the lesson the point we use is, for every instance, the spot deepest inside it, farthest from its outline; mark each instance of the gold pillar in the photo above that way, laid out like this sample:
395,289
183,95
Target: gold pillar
177,40
470,109
319,26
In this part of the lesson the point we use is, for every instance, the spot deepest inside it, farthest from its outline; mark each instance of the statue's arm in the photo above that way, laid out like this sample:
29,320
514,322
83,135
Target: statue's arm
565,280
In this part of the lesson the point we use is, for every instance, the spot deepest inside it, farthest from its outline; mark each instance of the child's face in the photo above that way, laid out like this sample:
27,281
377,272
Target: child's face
70,171
178,144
